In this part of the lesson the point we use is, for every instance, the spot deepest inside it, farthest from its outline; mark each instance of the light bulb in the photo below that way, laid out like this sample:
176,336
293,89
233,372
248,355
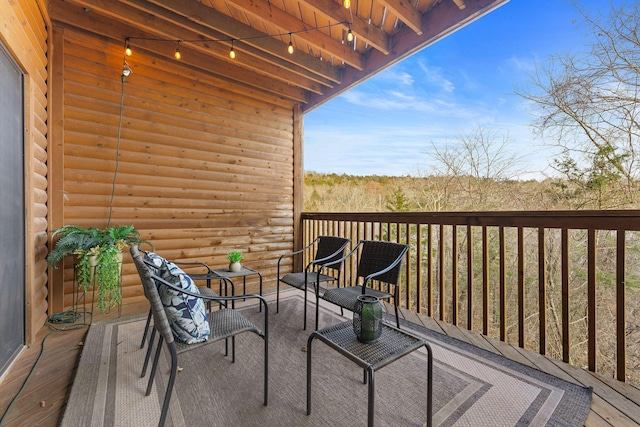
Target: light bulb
232,54
290,48
346,4
178,55
350,35
127,47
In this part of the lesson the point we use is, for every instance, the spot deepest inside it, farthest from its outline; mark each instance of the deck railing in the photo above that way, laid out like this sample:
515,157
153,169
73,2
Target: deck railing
563,283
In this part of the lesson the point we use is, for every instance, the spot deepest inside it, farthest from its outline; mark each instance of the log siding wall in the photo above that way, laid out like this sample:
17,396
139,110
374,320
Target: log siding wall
204,167
24,33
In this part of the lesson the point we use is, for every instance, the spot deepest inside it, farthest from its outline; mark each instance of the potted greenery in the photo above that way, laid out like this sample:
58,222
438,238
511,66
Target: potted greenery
234,258
98,257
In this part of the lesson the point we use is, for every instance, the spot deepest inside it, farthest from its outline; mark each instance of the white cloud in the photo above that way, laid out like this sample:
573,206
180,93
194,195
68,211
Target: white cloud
393,75
434,75
522,64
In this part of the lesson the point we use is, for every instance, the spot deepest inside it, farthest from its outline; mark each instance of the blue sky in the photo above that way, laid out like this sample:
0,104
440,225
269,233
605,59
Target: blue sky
386,125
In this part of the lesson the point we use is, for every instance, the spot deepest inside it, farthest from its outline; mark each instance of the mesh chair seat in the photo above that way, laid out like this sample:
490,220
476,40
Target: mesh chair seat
207,292
223,323
297,279
347,297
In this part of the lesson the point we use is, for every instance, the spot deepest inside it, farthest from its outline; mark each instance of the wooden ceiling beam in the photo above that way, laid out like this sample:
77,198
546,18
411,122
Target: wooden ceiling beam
406,13
204,15
264,62
67,14
460,4
365,32
197,61
319,40
153,24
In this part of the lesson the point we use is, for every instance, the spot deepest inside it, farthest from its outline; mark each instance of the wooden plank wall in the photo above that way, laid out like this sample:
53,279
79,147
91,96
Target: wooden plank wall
24,33
204,167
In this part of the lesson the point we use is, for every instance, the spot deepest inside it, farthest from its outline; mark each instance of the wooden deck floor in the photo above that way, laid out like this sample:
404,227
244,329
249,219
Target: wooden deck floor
42,402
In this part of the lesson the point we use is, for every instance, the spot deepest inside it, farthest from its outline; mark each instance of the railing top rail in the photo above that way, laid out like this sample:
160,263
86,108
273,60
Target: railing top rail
596,220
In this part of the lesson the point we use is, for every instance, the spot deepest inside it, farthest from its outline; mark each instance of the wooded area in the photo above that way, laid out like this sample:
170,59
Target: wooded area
575,257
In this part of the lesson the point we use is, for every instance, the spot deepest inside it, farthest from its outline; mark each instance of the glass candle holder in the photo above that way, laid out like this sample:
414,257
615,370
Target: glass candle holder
367,319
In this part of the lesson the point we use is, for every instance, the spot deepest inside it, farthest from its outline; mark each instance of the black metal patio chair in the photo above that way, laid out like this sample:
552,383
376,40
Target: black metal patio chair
379,262
224,323
328,249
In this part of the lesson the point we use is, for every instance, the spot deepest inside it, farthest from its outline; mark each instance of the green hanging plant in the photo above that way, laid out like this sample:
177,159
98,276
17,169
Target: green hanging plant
109,277
98,257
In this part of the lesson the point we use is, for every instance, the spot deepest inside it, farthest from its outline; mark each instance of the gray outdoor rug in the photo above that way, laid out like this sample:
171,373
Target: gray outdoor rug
472,387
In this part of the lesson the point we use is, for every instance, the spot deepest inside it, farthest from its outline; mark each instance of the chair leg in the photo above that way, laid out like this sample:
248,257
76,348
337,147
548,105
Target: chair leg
304,322
154,366
146,330
233,349
317,311
278,296
172,378
266,369
148,355
397,317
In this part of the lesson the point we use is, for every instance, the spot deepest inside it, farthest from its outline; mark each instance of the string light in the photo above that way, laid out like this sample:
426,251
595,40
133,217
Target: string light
178,55
290,48
346,4
232,54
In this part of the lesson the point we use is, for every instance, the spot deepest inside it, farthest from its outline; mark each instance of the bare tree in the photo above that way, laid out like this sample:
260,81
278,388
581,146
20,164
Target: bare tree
588,103
476,164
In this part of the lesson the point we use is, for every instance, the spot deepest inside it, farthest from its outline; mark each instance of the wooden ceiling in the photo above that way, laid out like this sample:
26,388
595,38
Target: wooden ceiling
324,63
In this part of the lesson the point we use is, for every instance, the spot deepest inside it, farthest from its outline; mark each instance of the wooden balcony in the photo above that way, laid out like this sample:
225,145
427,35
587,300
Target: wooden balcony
553,290
43,400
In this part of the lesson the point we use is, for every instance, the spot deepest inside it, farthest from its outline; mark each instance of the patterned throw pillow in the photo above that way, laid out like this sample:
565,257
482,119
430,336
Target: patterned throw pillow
187,315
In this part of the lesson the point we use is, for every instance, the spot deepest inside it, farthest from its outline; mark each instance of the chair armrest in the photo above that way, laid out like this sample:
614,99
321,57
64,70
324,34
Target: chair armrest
198,263
321,260
152,267
381,272
216,298
338,261
298,251
194,263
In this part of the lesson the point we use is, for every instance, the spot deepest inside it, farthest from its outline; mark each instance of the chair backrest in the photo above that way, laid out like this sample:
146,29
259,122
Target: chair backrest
151,292
328,245
377,255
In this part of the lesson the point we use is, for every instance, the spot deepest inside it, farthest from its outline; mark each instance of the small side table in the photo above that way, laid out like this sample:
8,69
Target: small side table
227,274
391,346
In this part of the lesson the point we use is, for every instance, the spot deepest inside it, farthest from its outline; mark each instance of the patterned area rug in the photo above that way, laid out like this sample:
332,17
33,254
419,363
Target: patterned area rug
472,387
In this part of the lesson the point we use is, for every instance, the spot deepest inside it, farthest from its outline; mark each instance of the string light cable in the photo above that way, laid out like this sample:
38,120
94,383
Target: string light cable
35,365
126,71
232,40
